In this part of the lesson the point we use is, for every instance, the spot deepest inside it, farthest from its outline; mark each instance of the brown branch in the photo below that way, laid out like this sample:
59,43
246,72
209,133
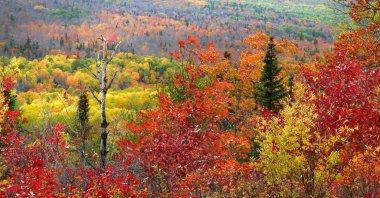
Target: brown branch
340,6
93,94
113,78
113,52
102,38
85,159
85,66
98,66
105,46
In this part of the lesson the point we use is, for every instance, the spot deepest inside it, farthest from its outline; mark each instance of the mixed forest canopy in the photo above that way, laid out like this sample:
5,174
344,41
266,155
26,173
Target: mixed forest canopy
195,98
36,28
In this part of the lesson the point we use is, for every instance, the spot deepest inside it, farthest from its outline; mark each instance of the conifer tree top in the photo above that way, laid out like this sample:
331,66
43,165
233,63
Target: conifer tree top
271,89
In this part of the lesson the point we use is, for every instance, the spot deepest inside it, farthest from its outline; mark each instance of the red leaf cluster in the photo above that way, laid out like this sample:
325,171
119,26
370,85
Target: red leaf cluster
346,96
181,141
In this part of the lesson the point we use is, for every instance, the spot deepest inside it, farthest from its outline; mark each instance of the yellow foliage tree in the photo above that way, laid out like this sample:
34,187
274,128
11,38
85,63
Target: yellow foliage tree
298,161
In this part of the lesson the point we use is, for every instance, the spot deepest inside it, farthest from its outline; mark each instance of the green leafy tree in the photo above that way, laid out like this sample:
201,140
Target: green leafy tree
271,88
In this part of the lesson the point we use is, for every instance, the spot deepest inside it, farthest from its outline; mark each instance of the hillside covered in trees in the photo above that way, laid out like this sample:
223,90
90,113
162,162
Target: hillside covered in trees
39,27
195,98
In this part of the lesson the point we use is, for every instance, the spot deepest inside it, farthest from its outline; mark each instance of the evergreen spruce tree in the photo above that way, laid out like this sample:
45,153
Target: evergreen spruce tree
83,129
28,44
271,88
62,42
82,115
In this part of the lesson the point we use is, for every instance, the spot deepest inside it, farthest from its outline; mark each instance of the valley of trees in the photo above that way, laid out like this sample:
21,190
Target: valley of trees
205,98
151,27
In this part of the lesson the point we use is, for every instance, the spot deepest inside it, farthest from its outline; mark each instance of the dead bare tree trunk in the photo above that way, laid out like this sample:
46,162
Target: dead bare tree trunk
102,61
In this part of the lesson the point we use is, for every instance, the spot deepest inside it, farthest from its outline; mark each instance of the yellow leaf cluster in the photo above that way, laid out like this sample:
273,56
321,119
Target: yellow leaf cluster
294,155
3,110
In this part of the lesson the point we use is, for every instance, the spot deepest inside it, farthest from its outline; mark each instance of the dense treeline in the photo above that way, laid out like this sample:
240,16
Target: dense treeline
49,87
70,27
59,72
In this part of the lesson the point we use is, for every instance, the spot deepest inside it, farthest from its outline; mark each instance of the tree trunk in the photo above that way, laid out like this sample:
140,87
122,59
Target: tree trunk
104,85
103,118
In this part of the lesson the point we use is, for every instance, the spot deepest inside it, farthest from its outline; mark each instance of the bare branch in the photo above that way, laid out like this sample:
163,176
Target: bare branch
113,78
98,65
93,94
105,46
85,66
84,157
102,38
114,52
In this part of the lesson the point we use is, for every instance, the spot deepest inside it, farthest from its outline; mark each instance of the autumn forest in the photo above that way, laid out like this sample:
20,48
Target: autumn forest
190,98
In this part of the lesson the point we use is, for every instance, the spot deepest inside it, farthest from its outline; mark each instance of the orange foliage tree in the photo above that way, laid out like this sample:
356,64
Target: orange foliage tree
362,42
244,78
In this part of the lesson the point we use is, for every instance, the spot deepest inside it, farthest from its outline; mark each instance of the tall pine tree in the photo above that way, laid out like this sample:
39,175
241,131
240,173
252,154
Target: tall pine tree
271,88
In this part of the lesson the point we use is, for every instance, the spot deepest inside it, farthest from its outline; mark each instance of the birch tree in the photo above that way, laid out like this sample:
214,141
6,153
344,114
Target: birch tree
103,57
